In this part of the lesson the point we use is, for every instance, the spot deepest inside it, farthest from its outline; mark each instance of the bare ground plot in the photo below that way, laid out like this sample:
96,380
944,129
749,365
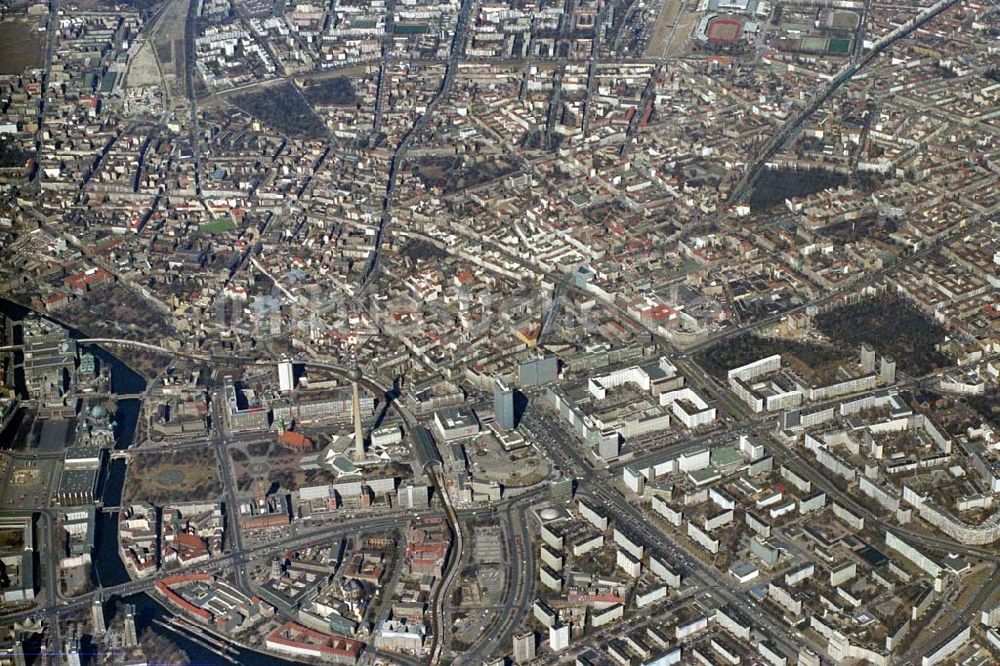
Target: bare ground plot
167,39
681,41
21,45
26,487
142,71
162,477
671,30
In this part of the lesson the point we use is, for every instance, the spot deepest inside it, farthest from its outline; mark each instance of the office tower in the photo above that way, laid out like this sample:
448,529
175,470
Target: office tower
503,404
131,637
561,491
608,446
867,358
559,637
19,653
359,433
97,615
888,371
286,376
538,371
414,497
524,647
73,651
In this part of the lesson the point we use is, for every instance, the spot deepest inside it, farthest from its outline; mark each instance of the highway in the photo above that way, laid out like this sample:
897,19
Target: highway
321,534
956,618
399,157
599,636
596,485
518,589
632,521
450,571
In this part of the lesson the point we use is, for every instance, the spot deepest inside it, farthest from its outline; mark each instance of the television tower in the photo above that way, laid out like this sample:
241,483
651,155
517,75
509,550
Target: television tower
359,433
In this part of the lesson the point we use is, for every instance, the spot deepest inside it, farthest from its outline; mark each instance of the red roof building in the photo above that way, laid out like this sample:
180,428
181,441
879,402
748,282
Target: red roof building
293,638
85,280
295,441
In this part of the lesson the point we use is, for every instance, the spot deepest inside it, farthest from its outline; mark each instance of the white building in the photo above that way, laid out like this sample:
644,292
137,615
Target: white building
592,516
455,423
559,637
386,436
947,648
550,579
395,635
682,631
635,549
286,376
599,618
689,407
634,479
524,647
751,449
545,615
718,519
630,565
703,539
664,571
693,461
651,596
771,654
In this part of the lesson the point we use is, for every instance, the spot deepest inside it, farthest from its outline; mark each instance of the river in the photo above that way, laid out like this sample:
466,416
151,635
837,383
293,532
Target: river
108,569
147,610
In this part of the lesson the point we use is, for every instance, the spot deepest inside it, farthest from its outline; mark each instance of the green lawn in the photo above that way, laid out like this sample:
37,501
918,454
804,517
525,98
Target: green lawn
218,227
412,28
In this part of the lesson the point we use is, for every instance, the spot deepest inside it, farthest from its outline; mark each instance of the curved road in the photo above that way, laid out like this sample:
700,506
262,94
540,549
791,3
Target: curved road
519,588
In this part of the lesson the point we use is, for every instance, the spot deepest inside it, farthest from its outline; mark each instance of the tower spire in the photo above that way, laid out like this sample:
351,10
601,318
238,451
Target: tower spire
359,433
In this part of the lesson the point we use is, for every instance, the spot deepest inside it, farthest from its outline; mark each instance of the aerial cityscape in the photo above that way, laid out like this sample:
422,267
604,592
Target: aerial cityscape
500,332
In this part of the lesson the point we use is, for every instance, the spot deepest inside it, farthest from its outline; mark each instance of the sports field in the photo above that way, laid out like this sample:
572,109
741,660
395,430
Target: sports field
844,20
839,46
724,30
814,44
